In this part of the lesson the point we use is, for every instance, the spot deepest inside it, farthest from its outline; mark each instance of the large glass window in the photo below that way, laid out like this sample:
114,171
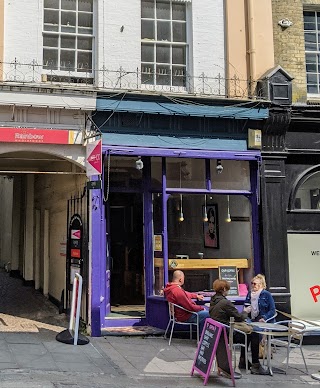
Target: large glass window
308,193
68,35
163,42
312,50
230,174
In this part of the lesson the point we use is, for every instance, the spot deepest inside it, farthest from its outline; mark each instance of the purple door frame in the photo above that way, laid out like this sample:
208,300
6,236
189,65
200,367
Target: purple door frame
99,274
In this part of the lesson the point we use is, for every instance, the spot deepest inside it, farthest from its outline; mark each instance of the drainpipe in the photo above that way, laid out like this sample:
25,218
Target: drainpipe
251,47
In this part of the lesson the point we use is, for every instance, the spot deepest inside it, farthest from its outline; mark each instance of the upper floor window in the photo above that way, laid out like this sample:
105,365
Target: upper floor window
163,42
307,195
312,50
68,35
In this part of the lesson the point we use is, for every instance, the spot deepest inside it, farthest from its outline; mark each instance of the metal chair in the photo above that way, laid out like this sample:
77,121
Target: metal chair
296,332
238,345
173,321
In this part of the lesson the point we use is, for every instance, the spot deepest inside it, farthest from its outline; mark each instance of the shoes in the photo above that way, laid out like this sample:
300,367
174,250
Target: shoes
242,363
258,369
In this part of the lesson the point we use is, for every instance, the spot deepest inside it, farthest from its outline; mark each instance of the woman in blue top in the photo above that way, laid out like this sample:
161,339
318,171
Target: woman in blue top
261,304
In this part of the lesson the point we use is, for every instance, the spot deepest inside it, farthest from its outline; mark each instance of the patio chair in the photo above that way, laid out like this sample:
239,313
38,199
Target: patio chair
173,321
294,340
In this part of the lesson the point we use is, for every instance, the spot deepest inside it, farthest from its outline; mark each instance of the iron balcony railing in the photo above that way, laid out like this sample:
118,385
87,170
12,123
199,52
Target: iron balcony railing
16,72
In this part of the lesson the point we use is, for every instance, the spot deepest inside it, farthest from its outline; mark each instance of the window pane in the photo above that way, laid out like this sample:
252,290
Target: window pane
164,31
51,40
163,54
163,10
185,173
147,74
313,89
311,67
147,53
308,194
67,60
309,21
147,9
85,20
163,75
68,42
179,32
312,78
84,61
147,29
50,59
69,4
178,76
179,55
51,4
68,21
86,5
51,17
84,43
234,176
178,11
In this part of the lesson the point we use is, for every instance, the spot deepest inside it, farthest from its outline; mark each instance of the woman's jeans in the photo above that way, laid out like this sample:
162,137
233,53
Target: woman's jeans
254,339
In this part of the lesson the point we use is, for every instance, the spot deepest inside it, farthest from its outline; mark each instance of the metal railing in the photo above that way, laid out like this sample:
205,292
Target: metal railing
32,73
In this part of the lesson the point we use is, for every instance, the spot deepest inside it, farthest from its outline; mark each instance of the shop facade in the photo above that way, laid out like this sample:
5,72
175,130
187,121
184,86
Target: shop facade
179,192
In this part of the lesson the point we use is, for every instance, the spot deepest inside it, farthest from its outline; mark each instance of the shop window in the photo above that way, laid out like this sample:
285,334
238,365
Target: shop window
186,173
123,172
230,174
308,193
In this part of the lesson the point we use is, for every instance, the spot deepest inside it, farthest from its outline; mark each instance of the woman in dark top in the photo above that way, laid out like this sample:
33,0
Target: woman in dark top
221,310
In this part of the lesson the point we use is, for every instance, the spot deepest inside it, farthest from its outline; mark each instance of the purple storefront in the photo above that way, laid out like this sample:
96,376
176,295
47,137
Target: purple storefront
180,191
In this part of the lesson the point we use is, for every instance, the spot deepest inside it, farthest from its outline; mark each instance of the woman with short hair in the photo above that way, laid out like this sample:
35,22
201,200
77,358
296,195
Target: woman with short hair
221,310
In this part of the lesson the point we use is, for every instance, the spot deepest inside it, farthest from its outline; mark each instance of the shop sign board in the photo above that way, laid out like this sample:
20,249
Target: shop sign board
94,158
213,344
230,274
74,248
304,274
37,135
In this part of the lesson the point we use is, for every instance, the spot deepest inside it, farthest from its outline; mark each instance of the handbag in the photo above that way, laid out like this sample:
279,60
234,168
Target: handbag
243,326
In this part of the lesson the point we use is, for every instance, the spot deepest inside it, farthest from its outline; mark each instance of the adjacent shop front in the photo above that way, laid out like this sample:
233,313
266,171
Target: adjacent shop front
181,191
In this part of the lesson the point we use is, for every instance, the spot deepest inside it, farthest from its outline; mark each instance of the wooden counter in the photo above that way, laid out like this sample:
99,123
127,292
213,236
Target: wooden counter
196,264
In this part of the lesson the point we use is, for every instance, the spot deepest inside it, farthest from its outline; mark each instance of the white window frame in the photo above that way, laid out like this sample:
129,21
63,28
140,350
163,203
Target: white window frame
146,66
77,72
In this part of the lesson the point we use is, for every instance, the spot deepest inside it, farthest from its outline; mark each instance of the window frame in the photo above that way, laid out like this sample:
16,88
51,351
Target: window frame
153,71
75,69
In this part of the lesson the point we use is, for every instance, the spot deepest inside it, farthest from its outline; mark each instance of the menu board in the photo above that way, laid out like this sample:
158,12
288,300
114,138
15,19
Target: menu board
213,343
230,274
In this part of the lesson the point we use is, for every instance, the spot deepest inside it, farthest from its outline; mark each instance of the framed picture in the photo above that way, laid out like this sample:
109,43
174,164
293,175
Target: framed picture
211,227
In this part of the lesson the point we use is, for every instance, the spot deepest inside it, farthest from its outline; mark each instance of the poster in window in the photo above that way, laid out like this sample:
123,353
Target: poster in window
211,227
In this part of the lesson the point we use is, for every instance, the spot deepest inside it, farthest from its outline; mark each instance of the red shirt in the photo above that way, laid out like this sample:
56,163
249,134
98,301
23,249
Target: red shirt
176,294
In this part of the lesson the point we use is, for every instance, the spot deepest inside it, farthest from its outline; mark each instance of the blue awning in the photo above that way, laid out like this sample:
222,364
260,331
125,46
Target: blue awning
173,142
240,111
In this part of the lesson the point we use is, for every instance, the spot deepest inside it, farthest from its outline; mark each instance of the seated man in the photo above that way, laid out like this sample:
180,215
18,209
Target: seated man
176,294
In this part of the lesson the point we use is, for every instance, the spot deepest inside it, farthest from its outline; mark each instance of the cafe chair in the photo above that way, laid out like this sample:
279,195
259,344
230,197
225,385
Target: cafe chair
173,321
238,345
272,318
294,340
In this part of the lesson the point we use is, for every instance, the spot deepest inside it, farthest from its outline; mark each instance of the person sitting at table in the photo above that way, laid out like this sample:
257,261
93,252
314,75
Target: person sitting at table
261,303
174,293
221,310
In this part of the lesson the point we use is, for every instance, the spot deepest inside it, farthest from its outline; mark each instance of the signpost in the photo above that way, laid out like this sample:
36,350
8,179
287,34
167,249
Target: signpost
230,274
213,344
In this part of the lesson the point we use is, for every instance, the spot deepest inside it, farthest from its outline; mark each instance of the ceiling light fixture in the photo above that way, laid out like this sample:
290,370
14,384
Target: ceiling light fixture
228,219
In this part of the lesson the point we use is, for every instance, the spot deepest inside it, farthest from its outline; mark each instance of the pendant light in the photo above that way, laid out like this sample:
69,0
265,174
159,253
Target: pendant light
181,218
205,214
228,219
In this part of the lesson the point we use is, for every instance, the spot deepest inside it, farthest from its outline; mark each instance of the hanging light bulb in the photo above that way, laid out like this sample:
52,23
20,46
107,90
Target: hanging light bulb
228,219
181,218
205,214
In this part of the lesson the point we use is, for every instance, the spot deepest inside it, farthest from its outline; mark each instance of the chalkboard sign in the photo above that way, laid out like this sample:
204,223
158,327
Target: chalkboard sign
230,274
213,343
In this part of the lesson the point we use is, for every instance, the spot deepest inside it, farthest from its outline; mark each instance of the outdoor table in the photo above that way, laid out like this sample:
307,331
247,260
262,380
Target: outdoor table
270,330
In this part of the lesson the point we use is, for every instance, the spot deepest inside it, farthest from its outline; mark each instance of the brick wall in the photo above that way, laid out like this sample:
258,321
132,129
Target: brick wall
289,43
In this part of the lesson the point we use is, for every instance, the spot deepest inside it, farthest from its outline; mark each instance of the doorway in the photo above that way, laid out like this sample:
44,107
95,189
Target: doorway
126,262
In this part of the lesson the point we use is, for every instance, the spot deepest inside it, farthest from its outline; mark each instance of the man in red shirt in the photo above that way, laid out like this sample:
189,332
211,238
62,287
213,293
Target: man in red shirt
174,293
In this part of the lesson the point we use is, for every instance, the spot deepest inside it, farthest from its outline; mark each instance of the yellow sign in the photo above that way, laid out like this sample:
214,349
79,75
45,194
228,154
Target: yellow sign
157,242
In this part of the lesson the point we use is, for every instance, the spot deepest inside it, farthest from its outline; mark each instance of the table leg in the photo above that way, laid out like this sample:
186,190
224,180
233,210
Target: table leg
269,355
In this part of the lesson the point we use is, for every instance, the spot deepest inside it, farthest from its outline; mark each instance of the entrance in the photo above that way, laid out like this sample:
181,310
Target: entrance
126,262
